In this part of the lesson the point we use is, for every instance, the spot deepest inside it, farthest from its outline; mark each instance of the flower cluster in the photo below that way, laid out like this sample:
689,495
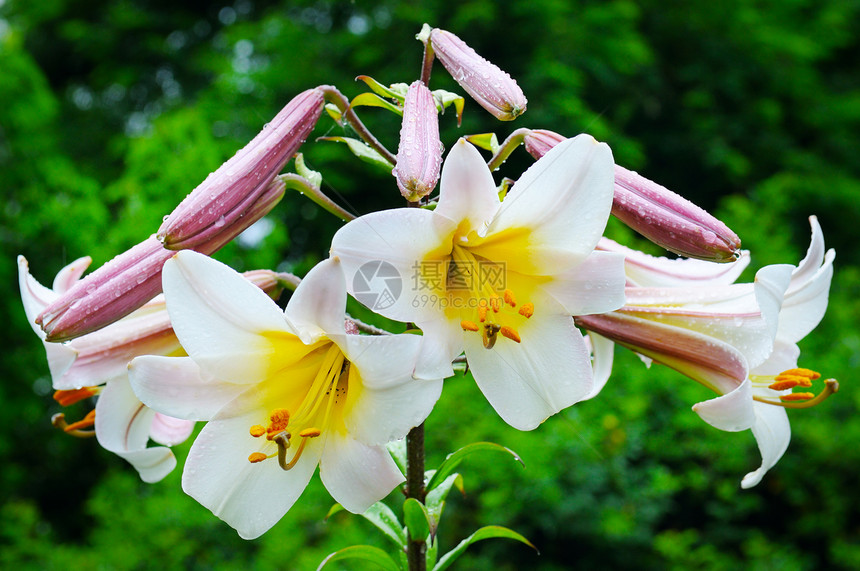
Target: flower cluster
516,281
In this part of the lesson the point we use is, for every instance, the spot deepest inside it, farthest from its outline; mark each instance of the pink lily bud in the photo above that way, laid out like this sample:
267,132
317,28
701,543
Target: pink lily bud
134,277
657,213
236,187
492,88
419,155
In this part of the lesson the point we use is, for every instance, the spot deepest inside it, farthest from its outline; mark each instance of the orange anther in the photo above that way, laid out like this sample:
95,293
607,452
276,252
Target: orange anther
801,372
783,385
256,457
469,325
527,310
69,397
86,422
797,396
482,313
510,333
510,299
311,432
496,303
257,430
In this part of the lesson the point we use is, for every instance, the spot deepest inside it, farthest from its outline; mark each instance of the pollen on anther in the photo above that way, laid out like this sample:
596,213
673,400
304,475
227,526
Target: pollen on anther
257,430
496,303
783,385
797,396
256,457
482,313
510,299
469,325
801,372
527,310
510,333
311,432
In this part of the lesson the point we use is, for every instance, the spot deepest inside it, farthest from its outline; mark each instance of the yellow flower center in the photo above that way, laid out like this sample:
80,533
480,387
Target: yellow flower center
311,417
789,380
476,287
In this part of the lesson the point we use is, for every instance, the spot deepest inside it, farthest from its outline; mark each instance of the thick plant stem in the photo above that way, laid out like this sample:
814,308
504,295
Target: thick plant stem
416,551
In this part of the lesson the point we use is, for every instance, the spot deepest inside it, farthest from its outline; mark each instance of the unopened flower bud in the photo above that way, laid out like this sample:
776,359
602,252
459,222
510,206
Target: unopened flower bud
492,88
134,277
419,155
236,187
656,212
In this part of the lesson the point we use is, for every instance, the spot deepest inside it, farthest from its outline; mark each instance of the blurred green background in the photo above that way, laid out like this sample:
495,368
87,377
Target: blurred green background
112,111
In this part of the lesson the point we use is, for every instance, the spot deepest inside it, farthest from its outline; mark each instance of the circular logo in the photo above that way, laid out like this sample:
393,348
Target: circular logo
377,284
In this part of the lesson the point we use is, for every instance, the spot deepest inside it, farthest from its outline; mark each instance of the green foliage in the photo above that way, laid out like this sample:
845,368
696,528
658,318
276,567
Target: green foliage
110,112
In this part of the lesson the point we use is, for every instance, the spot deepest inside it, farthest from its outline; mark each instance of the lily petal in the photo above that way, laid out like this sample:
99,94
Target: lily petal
467,193
441,343
177,387
602,355
355,474
529,381
594,286
772,434
732,411
573,181
317,305
251,498
170,431
220,327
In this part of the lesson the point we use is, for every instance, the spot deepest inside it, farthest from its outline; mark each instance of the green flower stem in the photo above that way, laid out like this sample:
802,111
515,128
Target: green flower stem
332,95
416,551
507,147
303,185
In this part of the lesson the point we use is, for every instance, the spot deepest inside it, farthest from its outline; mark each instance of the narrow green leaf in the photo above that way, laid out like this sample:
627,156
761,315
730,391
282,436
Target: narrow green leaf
487,532
363,552
453,460
373,100
445,99
314,177
386,520
416,519
435,500
362,151
382,90
397,449
487,141
334,509
432,552
333,112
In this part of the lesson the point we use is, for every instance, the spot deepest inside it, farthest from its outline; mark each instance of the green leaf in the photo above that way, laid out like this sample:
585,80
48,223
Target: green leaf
333,112
373,100
386,520
453,460
364,552
396,91
362,151
445,99
313,177
334,509
487,532
435,500
487,141
397,449
417,520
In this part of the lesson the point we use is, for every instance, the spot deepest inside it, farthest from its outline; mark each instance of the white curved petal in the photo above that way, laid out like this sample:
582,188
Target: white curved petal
771,282
594,286
467,192
557,210
152,464
70,274
806,301
732,411
810,264
383,360
251,498
772,434
381,254
529,381
170,431
318,304
602,355
355,474
378,416
176,386
644,270
441,343
219,317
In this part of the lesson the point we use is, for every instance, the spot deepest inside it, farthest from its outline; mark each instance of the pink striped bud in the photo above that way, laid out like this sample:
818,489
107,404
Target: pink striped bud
419,155
228,194
134,277
492,88
657,213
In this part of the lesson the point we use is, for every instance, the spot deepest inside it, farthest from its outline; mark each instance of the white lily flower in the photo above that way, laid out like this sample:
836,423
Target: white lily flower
739,340
96,364
282,391
498,279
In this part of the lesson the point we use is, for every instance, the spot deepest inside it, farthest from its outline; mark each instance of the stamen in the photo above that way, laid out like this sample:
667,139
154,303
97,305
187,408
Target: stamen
527,310
510,333
802,400
283,442
800,372
257,431
482,311
59,421
86,422
796,397
470,325
311,432
69,397
489,334
256,457
783,385
495,303
510,299
280,419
